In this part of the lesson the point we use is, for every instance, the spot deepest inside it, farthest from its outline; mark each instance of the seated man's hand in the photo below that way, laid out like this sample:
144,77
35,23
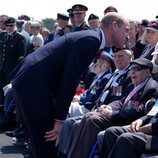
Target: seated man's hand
105,110
147,129
53,135
135,126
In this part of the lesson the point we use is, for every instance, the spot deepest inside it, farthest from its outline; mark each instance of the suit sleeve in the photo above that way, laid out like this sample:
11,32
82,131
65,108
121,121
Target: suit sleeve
78,59
21,46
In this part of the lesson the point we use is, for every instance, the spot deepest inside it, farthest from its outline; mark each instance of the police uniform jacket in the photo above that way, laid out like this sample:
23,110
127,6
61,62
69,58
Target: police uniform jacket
55,69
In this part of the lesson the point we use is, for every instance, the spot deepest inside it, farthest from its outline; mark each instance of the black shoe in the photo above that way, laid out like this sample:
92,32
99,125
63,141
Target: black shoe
15,132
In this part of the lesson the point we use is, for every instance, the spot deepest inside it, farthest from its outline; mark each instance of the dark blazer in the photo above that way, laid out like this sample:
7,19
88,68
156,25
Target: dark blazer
57,66
11,48
124,114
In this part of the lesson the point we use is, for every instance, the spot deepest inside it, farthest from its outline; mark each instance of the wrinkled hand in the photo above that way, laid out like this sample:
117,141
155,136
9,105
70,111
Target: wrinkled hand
135,126
147,129
53,135
105,110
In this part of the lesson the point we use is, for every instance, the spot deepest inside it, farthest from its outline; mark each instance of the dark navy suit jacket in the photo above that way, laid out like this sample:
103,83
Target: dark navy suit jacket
55,67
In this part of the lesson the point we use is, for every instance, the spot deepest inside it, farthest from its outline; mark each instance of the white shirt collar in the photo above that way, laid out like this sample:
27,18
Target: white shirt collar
103,40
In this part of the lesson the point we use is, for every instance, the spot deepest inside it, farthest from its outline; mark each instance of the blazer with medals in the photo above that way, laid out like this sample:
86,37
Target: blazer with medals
124,114
116,90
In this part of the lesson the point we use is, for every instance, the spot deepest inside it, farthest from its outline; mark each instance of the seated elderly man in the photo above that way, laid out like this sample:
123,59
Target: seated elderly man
120,112
134,140
102,68
114,90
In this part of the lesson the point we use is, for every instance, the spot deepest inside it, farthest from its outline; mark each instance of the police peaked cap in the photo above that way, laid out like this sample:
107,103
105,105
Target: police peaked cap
62,16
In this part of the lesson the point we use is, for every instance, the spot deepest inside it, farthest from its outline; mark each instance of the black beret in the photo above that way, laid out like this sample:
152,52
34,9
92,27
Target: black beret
92,16
9,20
143,62
79,8
62,16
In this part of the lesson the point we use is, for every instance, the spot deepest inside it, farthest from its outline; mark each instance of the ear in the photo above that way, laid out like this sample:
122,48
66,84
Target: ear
114,25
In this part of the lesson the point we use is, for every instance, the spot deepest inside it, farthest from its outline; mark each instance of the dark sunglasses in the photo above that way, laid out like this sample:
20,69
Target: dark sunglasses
9,25
137,68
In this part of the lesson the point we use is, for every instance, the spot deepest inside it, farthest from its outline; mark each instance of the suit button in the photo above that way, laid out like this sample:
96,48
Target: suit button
3,54
3,50
3,59
4,45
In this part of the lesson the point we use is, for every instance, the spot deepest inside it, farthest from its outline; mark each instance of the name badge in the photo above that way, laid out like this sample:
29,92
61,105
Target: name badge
154,110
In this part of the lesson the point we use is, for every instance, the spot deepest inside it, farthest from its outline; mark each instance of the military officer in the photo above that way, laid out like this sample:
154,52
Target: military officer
12,48
79,12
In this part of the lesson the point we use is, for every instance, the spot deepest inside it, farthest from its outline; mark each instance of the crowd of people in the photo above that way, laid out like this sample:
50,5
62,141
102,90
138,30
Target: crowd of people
81,90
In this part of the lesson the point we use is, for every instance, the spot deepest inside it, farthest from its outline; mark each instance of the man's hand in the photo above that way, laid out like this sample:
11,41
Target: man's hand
147,129
135,126
105,110
53,135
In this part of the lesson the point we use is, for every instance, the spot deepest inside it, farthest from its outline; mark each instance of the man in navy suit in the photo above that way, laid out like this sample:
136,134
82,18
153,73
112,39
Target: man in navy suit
46,80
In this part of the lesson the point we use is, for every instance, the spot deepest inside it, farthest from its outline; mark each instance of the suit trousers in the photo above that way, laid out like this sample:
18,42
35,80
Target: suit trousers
36,121
91,124
120,142
67,133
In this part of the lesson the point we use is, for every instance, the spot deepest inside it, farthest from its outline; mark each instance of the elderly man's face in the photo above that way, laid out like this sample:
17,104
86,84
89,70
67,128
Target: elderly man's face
93,23
122,59
138,75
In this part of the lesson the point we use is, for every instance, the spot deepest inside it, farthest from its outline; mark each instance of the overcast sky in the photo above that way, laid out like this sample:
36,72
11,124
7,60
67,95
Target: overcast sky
132,9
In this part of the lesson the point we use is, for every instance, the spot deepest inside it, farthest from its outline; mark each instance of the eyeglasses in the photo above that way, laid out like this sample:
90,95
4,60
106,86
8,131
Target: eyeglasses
137,68
9,25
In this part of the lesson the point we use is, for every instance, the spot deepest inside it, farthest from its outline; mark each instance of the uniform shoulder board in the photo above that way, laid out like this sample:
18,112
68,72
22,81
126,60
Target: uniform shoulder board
85,26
